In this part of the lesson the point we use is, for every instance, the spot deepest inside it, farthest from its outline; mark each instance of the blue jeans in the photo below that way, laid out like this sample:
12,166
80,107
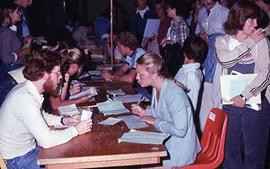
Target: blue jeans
27,161
247,137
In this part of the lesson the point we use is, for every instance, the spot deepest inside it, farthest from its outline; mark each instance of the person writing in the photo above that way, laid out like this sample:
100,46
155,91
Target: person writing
24,126
170,111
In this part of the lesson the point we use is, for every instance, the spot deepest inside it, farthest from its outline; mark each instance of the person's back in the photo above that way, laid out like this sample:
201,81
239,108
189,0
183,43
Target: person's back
190,75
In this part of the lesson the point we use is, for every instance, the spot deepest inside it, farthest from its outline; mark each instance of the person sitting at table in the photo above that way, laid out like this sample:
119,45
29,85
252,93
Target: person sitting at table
12,51
24,125
72,65
170,111
129,47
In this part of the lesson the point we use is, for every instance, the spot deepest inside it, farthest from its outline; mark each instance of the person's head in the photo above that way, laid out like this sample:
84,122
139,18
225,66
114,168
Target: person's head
126,42
44,66
160,9
73,61
176,8
209,4
264,4
23,3
149,67
242,16
141,4
195,49
10,15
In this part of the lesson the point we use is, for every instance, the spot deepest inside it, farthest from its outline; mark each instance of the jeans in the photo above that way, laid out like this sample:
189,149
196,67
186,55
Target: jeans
247,137
27,161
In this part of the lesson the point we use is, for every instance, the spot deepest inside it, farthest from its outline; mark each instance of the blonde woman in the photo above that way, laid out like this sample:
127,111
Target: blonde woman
170,111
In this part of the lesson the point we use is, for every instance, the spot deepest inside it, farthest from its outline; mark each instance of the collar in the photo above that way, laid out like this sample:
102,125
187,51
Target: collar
191,66
13,28
33,91
142,12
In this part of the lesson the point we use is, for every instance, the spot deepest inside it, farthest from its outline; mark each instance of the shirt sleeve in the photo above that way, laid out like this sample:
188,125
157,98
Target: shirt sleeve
33,120
262,79
229,58
178,108
193,85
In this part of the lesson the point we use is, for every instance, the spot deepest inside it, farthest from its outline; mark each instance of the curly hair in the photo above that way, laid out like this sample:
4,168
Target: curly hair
40,62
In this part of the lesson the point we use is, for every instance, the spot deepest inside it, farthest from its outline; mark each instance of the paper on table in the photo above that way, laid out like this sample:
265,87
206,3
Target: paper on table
151,27
68,110
143,137
131,98
116,92
86,115
110,121
90,92
233,85
133,122
110,107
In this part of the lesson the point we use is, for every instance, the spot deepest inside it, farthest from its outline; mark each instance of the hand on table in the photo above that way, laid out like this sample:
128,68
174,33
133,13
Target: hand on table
138,110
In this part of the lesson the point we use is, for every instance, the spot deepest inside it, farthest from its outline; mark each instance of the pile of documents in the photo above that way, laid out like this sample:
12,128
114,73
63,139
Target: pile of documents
133,122
143,137
111,107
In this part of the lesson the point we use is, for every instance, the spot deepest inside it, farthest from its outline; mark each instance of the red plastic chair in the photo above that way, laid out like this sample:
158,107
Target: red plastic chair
212,142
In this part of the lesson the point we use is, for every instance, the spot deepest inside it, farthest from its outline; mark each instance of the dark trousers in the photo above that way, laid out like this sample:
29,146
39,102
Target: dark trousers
247,137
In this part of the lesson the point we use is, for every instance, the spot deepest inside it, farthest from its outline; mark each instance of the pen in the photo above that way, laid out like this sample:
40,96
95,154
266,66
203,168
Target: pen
141,99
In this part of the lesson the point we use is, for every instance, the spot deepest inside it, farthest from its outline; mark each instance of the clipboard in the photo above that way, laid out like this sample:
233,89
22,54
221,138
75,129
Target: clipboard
151,28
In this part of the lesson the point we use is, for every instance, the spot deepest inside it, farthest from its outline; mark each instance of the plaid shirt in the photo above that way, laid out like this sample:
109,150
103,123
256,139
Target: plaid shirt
177,32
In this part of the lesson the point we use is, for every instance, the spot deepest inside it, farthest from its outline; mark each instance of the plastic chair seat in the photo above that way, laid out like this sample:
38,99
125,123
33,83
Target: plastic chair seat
212,142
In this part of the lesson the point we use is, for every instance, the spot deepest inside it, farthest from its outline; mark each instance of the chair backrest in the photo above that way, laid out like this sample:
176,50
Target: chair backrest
2,163
212,141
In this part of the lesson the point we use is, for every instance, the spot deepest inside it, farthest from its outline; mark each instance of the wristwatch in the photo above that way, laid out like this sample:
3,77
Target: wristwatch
243,98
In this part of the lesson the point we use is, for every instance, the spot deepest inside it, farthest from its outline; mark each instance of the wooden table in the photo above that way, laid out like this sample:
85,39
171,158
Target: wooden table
100,147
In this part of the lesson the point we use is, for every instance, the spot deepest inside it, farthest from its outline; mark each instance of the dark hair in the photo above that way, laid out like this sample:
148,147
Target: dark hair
8,8
180,6
153,63
39,62
128,40
238,15
195,48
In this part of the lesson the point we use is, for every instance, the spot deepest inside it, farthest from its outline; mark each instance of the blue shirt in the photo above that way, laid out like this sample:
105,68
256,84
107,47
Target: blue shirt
191,76
174,116
132,59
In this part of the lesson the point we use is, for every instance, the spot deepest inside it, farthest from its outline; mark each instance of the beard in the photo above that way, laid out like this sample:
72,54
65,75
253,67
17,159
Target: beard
51,87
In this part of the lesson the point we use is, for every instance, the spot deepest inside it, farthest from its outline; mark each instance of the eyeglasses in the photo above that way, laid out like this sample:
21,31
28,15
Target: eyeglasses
58,73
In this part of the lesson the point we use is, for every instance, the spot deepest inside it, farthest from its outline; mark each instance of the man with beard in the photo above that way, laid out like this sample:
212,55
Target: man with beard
24,126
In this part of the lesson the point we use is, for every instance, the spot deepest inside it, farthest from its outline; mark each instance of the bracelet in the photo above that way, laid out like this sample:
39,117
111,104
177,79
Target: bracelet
62,121
243,98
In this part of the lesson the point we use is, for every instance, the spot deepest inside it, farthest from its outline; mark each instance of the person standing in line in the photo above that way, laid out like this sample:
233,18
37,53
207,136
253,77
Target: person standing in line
244,49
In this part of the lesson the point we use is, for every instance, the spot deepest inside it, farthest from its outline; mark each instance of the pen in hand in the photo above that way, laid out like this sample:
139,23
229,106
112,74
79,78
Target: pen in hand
141,99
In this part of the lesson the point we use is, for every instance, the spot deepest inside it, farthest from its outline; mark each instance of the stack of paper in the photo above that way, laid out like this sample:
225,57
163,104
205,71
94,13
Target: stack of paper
68,110
110,121
116,92
131,98
111,107
90,92
233,85
143,137
133,122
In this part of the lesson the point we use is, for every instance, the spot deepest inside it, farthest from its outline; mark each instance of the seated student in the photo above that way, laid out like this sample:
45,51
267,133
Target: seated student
170,111
12,51
74,60
190,75
24,125
129,48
